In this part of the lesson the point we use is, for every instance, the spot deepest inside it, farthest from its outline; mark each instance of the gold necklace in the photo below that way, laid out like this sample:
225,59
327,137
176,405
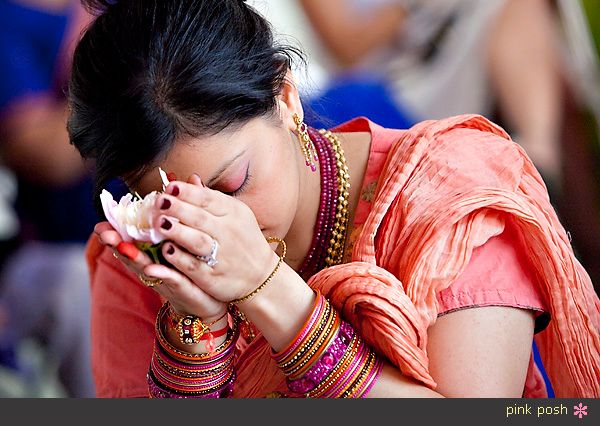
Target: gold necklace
335,252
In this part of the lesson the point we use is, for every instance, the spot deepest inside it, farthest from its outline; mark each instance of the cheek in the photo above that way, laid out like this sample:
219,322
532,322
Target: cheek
275,196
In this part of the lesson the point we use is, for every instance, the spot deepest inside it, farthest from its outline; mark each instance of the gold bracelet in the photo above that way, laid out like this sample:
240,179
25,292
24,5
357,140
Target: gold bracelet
270,277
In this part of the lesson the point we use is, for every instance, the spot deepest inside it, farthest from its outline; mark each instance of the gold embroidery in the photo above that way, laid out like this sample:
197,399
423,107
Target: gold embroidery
275,394
351,239
368,192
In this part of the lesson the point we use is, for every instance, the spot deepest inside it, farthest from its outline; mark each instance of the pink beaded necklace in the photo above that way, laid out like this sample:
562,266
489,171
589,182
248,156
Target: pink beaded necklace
330,229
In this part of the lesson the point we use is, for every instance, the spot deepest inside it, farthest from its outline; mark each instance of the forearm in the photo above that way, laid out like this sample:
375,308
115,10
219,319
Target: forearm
281,308
391,383
280,311
36,143
349,34
524,67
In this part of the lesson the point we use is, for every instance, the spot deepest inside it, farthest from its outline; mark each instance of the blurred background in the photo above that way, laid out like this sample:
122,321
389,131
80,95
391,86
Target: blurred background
532,66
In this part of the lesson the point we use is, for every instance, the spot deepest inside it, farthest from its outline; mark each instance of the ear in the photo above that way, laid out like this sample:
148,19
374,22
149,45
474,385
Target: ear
289,103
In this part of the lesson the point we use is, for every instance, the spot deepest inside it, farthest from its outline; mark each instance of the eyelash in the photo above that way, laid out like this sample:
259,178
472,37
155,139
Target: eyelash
242,187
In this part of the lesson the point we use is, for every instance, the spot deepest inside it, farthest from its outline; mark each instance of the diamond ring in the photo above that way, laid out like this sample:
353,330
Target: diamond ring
211,259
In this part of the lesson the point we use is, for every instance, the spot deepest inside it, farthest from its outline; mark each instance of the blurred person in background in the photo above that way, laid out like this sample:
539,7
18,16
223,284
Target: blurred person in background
333,91
44,286
447,57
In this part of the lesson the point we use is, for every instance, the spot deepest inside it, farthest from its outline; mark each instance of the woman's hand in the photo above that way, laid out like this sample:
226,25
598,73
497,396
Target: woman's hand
192,217
184,296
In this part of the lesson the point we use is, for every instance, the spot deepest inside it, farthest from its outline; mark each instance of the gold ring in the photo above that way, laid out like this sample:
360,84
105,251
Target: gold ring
150,282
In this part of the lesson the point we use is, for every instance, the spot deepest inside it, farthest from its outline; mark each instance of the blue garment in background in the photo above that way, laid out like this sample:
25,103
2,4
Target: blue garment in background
30,42
356,95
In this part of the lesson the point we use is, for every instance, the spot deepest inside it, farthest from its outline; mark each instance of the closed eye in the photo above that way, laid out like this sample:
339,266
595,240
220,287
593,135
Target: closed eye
243,186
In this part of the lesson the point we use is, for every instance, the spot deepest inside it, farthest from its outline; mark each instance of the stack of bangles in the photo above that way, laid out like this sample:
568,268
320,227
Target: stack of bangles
174,373
328,359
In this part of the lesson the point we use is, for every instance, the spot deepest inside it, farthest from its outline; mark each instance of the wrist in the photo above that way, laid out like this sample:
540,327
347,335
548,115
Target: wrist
208,334
280,309
175,373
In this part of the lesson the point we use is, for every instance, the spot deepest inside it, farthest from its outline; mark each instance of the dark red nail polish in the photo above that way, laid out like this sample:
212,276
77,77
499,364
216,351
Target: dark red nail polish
171,176
165,204
170,250
129,250
174,190
166,224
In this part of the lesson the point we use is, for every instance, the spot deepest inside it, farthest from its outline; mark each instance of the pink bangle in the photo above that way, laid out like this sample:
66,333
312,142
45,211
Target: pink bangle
316,313
157,391
350,374
371,379
208,365
326,363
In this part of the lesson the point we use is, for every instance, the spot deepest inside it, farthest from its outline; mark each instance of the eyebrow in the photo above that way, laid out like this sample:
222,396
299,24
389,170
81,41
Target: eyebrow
224,168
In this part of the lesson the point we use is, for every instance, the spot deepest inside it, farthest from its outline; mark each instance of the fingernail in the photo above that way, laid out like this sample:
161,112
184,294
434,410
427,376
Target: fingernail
170,250
165,204
102,242
129,250
173,190
166,224
171,176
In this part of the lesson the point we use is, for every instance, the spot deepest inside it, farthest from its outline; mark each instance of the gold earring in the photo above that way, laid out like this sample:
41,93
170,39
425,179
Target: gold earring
306,144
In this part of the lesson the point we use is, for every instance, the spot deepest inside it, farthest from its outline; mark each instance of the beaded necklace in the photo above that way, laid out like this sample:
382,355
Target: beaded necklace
329,236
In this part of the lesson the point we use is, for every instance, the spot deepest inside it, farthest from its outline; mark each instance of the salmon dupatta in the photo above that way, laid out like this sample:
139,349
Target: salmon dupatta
446,188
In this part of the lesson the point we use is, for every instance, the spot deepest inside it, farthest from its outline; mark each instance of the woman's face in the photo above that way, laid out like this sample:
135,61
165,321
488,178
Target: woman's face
258,163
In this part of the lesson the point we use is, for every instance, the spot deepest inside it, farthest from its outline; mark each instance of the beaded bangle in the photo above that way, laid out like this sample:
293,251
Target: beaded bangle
328,359
312,337
286,356
187,357
350,374
190,385
168,376
371,378
318,306
325,363
270,277
321,343
191,370
338,372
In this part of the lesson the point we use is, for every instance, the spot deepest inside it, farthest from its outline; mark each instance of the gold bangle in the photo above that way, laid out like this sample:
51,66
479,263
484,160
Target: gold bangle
270,277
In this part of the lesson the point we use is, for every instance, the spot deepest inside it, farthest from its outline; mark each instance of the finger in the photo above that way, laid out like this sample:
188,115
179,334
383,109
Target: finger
215,202
110,238
186,214
196,241
133,258
181,292
103,226
133,254
173,282
188,264
107,234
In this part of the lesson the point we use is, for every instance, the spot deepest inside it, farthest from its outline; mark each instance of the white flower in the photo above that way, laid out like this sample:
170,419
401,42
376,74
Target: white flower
132,217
